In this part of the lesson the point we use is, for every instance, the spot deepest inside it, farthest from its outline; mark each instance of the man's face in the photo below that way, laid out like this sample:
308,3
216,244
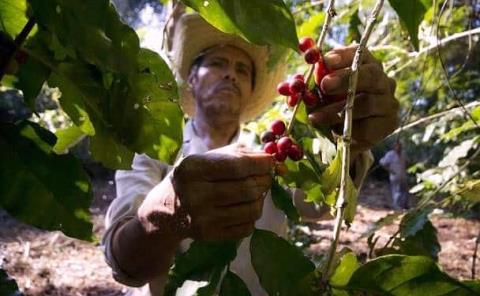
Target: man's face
222,82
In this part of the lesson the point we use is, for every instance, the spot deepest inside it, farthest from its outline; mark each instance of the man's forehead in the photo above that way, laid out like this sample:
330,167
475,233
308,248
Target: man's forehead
228,51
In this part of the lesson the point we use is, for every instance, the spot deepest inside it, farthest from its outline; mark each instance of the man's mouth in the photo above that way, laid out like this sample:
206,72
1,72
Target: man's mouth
228,88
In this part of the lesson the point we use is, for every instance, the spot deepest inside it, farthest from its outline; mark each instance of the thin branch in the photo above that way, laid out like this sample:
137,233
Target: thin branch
474,258
326,25
429,49
347,134
17,44
452,112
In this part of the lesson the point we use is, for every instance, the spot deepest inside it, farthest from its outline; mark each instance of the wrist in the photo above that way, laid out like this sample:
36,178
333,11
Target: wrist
162,214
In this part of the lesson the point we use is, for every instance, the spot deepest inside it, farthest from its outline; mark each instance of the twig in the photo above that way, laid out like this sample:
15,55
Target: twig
17,44
326,25
453,111
347,133
474,258
321,39
432,47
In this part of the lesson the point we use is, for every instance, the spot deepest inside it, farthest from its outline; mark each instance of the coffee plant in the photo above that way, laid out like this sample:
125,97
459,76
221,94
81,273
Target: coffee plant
124,98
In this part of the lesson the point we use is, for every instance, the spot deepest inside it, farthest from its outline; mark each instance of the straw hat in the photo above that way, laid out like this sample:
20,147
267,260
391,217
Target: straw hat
193,35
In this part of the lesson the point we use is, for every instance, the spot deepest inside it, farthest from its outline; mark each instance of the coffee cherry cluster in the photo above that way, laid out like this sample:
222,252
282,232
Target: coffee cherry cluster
296,90
279,145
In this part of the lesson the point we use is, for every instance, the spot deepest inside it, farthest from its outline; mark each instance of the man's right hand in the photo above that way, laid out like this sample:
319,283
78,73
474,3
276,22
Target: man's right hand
221,191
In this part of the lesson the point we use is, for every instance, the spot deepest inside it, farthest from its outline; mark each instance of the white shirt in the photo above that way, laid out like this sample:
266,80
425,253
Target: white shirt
395,164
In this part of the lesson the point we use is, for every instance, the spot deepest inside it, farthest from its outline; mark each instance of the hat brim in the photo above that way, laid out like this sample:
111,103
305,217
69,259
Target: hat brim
193,35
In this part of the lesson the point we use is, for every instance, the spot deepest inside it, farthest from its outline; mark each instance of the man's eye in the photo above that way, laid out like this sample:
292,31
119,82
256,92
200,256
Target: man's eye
243,71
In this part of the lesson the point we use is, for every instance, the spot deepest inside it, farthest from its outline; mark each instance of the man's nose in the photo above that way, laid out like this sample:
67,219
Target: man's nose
230,74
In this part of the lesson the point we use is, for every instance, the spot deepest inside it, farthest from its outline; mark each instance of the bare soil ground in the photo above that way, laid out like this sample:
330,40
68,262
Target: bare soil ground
48,263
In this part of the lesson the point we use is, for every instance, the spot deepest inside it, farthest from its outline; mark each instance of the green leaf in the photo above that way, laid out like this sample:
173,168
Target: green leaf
283,201
256,21
72,80
423,243
8,286
109,152
67,138
351,199
233,285
333,173
202,258
13,16
399,275
344,270
312,26
39,187
280,266
470,190
411,13
413,222
384,221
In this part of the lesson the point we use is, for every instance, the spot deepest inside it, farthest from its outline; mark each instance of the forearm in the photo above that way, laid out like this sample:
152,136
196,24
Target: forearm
145,245
142,255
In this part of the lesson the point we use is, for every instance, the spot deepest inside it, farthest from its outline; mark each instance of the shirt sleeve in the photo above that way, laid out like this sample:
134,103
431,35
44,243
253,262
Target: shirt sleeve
132,188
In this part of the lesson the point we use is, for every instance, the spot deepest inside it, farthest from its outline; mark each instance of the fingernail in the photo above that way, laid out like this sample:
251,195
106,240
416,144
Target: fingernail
316,118
333,60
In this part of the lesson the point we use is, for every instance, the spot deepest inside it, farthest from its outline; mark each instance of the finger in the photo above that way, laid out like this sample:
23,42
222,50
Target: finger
365,106
226,193
371,79
219,166
342,57
239,214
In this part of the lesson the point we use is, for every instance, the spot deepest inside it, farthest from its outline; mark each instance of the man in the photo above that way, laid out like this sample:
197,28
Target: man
216,191
394,161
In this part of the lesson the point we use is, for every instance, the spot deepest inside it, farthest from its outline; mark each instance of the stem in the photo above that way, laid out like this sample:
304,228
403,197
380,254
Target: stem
17,44
474,258
452,112
326,25
347,134
432,47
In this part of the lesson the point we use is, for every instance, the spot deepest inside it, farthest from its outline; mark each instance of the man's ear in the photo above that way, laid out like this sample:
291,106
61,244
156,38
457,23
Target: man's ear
192,77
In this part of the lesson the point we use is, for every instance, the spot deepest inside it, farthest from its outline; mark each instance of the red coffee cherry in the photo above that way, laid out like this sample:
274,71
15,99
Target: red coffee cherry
284,144
295,152
293,100
306,43
320,71
277,127
312,55
267,136
283,88
299,77
297,86
310,99
270,148
280,156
